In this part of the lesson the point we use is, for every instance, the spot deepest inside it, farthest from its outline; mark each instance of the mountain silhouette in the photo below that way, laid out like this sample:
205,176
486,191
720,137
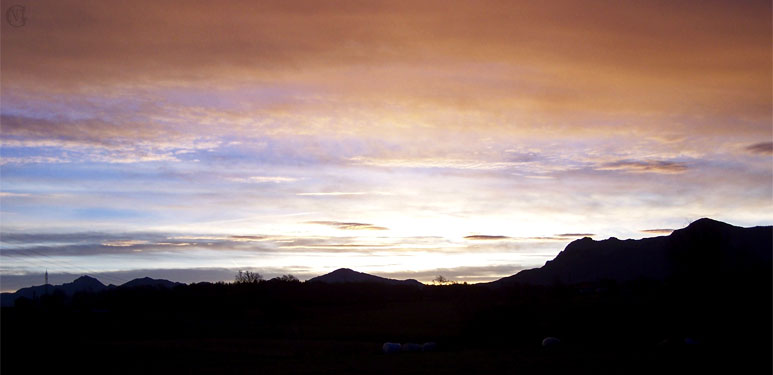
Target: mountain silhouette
345,275
705,249
84,283
150,282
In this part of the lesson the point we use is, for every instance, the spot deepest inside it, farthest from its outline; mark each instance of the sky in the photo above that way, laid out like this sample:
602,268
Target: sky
187,140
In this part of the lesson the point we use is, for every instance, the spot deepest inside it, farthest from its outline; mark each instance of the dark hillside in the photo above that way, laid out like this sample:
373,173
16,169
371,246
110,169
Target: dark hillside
705,251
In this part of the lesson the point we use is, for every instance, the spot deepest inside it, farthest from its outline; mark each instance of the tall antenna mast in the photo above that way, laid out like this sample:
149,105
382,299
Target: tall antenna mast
46,277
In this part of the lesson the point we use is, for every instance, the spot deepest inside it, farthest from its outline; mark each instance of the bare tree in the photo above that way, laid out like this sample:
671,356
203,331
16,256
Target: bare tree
248,277
440,280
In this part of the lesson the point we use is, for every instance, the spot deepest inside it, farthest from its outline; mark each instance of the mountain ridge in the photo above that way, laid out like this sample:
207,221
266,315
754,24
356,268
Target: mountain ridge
346,275
83,283
706,248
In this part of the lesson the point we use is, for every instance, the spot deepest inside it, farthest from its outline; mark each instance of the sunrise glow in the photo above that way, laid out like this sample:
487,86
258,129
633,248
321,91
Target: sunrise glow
189,140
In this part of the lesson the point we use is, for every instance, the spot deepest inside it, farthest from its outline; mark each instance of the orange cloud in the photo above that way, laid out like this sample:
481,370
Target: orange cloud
638,166
658,231
505,67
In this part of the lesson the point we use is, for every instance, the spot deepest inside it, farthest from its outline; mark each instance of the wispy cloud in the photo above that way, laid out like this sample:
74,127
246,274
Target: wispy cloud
433,163
348,225
263,179
124,243
21,160
114,140
485,237
249,238
640,166
342,193
545,238
658,231
765,148
12,195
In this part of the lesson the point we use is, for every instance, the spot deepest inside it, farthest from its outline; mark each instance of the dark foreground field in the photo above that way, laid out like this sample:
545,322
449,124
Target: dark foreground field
301,328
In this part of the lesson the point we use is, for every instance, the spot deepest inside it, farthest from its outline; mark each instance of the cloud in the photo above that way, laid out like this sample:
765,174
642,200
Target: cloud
58,250
575,235
110,158
93,131
20,238
262,179
343,193
544,238
485,237
639,166
124,243
764,148
51,246
248,238
5,194
657,231
333,193
348,225
539,61
434,163
21,160
115,140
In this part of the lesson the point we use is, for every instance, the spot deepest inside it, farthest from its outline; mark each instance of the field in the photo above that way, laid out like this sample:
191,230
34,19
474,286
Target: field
307,328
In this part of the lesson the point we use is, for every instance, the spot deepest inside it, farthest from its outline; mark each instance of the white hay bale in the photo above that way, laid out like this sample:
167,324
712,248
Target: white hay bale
549,342
391,347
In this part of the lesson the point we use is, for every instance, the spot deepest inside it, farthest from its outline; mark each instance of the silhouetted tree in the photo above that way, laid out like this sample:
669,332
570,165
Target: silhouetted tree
440,280
248,277
287,278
